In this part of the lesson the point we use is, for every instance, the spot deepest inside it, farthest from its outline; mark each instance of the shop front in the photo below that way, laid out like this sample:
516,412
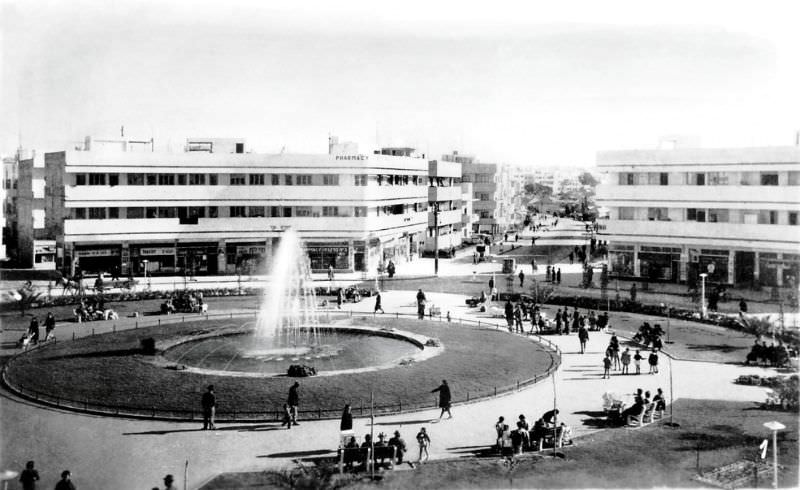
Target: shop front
195,259
714,263
94,260
44,254
246,258
326,254
621,259
155,259
660,263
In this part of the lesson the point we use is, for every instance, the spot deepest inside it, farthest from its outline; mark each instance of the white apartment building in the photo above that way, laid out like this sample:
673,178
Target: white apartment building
482,176
731,213
214,209
453,201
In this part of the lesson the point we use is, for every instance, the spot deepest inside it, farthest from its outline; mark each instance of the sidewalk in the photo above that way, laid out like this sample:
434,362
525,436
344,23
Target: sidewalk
120,453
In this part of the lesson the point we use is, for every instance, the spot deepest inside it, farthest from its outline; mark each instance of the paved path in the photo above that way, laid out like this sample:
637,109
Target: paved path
121,453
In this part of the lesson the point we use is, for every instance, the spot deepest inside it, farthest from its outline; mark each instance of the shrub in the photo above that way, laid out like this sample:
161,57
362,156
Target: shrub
148,346
785,393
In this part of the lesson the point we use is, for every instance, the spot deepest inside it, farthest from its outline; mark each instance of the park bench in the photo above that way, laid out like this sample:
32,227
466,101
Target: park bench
643,418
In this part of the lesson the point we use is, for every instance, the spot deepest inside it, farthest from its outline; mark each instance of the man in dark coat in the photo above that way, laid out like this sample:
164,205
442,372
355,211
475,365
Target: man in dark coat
444,399
294,401
521,278
509,311
209,404
583,336
421,305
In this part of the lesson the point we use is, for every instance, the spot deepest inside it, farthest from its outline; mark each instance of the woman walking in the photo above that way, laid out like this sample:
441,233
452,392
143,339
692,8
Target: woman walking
424,441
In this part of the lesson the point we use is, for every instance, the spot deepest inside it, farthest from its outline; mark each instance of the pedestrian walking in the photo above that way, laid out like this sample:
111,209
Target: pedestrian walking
558,276
491,284
547,274
33,331
347,419
66,483
571,257
606,367
29,476
518,318
287,416
209,403
445,399
339,298
583,337
330,273
521,278
49,326
509,313
294,401
626,360
420,305
633,293
653,361
474,257
424,441
378,306
637,362
169,481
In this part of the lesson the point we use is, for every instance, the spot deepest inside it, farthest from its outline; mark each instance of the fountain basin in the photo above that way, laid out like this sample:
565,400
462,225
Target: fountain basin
335,350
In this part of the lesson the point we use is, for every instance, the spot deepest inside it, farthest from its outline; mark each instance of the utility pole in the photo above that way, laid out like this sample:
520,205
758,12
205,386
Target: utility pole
436,239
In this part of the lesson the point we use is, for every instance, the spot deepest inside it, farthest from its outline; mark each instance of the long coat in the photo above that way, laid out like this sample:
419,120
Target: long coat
444,395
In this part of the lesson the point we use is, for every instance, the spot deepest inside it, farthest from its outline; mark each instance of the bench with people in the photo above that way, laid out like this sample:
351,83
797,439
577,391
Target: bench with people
641,412
383,453
770,355
544,434
184,303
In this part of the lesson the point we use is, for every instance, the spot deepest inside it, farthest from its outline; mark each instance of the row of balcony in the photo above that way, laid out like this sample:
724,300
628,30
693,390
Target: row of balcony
170,228
713,234
722,196
207,194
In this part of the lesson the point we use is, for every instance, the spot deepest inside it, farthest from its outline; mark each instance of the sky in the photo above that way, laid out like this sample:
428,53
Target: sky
525,83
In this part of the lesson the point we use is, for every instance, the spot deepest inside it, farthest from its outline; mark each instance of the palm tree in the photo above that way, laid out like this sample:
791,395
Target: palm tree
26,296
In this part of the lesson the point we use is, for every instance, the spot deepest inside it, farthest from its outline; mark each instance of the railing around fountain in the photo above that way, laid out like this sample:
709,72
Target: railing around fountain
224,414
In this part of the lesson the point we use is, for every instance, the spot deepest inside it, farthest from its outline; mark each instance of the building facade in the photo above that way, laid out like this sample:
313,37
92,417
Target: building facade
482,176
449,207
206,211
9,211
729,213
35,249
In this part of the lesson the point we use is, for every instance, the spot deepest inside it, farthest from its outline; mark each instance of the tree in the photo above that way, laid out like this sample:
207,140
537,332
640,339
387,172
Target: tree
26,296
587,179
538,191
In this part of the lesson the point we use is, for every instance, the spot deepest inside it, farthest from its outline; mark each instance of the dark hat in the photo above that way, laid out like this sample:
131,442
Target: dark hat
169,478
397,433
210,387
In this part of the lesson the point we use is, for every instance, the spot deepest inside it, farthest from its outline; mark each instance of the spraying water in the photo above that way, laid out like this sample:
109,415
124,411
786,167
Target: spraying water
288,311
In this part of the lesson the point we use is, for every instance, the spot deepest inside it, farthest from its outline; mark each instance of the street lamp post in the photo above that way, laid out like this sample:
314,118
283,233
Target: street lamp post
145,261
436,239
774,426
703,308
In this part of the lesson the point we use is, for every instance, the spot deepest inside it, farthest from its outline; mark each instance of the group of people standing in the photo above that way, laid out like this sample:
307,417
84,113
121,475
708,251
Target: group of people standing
525,437
33,335
614,359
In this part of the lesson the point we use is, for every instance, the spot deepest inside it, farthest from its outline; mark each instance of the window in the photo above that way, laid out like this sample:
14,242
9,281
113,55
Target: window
718,178
793,218
197,212
769,178
287,212
626,213
166,179
767,217
213,212
151,213
113,213
360,211
693,214
80,179
276,179
625,178
657,214
287,179
360,180
329,179
303,179
698,179
485,215
97,213
197,179
167,212
238,179
275,212
237,212
663,178
718,216
256,211
256,179
79,213
653,178
794,177
152,179
213,179
303,211
182,179
749,178
483,196
97,179
330,211
134,213
113,179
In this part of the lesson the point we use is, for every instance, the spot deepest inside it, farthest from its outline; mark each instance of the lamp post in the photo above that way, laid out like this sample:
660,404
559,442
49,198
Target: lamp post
703,309
436,239
145,261
774,426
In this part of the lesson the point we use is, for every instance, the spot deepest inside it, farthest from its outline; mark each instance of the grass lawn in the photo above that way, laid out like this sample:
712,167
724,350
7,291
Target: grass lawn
105,369
654,456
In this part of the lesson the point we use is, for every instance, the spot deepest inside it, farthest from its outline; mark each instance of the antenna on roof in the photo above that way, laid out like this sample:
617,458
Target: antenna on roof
122,131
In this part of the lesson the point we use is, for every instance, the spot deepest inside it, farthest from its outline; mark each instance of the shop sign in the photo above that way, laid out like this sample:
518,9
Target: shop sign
157,251
329,250
44,249
100,252
352,157
251,250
